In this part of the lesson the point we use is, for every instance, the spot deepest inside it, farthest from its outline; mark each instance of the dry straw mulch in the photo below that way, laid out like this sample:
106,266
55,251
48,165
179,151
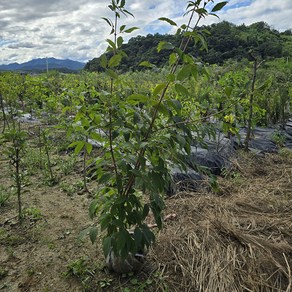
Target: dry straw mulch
238,241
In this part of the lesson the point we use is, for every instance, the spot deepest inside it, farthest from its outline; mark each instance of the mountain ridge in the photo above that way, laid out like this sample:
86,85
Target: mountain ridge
41,64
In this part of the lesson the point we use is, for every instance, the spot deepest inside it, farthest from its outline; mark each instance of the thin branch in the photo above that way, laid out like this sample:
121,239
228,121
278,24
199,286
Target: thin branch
191,121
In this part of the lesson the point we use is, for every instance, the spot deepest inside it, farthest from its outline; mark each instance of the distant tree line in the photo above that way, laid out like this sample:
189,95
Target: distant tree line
225,41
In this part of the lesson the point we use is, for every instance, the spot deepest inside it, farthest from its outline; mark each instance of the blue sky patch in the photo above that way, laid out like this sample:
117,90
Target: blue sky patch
239,4
157,27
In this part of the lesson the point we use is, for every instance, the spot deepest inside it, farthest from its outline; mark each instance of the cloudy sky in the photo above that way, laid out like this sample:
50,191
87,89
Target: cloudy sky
74,29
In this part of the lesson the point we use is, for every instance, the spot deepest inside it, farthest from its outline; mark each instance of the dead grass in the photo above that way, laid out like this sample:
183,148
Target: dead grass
241,241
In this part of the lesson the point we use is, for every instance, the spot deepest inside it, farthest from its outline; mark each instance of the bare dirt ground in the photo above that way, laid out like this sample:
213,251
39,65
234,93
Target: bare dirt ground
239,240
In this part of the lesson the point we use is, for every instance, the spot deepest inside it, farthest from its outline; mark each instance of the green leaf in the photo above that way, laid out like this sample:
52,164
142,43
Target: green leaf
121,240
96,136
145,211
131,29
170,77
108,21
184,72
178,31
134,281
88,147
107,245
171,22
92,209
143,145
79,146
112,44
158,88
126,136
105,221
181,140
122,28
111,73
181,90
127,12
103,61
83,233
213,14
163,109
172,58
120,41
106,177
149,282
137,98
93,234
115,60
175,104
119,182
115,134
164,46
146,64
73,144
228,90
202,11
148,235
219,6
194,71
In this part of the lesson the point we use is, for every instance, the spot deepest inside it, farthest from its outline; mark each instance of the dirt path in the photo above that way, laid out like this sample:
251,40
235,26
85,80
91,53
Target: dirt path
35,256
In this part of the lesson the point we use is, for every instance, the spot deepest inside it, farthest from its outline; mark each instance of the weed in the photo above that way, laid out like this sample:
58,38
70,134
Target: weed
10,251
78,185
15,140
12,240
279,139
4,196
33,213
49,181
105,283
139,285
2,233
3,273
232,174
67,165
33,161
51,245
44,138
30,272
70,188
286,153
67,188
80,270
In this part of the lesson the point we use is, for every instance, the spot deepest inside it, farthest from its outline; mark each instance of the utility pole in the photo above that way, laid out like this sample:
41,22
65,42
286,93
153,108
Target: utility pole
47,63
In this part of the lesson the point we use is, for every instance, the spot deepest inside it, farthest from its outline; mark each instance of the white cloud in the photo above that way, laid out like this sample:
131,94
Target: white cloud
74,29
276,13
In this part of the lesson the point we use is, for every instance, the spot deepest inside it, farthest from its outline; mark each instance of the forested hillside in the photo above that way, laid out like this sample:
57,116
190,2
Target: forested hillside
225,41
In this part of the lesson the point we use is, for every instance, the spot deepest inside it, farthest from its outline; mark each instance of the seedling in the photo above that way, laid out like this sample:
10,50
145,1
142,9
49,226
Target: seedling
4,196
15,140
137,143
33,213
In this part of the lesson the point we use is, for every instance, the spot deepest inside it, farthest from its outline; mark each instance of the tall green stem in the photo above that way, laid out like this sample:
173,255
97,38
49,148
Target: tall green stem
251,101
173,69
